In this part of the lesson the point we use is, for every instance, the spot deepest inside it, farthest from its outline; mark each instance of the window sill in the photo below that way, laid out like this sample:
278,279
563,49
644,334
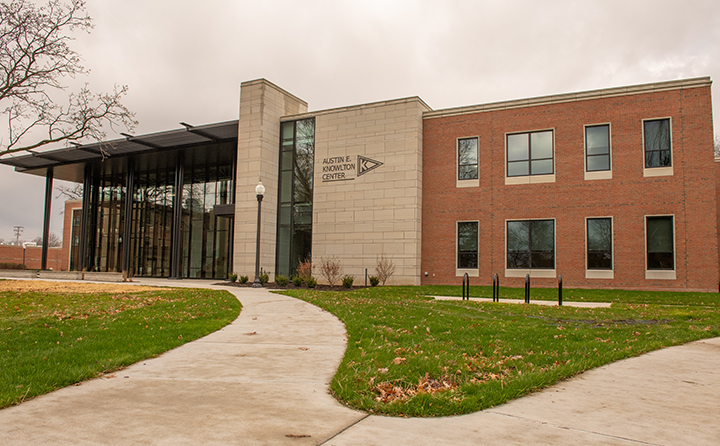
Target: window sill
660,274
534,273
658,171
599,175
530,179
599,274
467,183
470,272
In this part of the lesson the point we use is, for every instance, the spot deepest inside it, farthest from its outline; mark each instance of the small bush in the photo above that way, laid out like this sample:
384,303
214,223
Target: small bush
243,279
281,280
232,277
297,280
311,282
384,268
10,265
374,281
264,278
330,269
348,281
304,270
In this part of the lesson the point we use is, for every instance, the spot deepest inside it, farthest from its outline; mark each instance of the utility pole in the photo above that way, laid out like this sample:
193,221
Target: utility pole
17,230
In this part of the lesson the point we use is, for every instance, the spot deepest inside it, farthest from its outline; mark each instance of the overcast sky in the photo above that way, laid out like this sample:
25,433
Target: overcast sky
184,60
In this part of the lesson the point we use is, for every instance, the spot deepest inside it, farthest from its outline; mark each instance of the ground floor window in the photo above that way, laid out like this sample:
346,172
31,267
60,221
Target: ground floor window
599,243
531,244
660,242
467,245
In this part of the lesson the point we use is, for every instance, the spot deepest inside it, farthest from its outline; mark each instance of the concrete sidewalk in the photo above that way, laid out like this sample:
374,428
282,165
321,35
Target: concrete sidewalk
261,380
264,380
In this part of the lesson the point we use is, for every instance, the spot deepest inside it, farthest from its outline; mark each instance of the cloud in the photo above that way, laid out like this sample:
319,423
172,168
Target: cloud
184,60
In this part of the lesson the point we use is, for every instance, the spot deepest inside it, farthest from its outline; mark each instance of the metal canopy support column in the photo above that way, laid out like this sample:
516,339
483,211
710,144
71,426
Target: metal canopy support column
82,246
46,220
127,230
176,243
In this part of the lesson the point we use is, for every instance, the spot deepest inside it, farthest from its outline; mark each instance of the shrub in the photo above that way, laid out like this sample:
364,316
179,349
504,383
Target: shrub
297,280
281,280
384,268
11,265
304,270
311,282
233,277
348,281
243,279
264,278
330,269
374,281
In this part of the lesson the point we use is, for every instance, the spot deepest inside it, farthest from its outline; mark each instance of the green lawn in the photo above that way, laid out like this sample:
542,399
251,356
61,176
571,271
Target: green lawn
50,340
409,355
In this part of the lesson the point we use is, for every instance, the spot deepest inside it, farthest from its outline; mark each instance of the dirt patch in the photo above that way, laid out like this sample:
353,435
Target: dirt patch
69,287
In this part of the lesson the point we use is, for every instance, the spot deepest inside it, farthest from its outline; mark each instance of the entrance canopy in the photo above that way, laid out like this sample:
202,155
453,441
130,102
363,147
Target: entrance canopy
68,163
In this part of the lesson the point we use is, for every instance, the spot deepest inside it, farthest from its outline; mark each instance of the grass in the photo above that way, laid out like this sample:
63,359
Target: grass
409,355
50,340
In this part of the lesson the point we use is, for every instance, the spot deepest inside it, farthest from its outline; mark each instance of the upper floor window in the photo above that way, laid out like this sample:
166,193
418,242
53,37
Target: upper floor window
656,136
597,148
467,245
530,153
468,159
531,244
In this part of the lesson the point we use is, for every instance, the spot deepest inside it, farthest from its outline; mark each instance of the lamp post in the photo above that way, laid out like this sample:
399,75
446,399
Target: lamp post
259,190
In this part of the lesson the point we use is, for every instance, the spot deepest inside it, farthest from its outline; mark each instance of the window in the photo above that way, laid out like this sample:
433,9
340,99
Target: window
657,143
660,243
530,154
467,243
599,243
468,159
597,148
531,244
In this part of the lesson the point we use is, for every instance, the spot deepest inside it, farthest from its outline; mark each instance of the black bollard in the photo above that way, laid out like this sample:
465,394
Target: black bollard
560,290
527,288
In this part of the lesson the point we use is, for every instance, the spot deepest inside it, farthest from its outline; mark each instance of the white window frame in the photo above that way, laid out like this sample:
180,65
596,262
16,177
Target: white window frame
660,274
534,272
470,182
658,171
530,179
598,174
601,273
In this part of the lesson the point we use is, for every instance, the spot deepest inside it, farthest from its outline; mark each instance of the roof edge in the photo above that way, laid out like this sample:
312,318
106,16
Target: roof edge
574,97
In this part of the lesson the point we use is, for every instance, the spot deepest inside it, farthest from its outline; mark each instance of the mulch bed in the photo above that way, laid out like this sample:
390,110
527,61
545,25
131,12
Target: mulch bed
290,286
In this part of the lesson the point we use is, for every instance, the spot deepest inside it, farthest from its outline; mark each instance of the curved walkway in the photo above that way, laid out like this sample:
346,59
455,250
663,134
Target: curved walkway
264,378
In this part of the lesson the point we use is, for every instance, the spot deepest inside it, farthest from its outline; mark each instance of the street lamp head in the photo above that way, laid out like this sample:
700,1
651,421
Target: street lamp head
260,189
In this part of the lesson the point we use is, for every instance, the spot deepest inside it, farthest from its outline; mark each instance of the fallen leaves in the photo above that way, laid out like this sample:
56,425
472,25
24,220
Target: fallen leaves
388,392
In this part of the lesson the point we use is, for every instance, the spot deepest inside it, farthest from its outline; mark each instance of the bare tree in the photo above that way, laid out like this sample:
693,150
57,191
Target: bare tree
70,193
34,59
53,241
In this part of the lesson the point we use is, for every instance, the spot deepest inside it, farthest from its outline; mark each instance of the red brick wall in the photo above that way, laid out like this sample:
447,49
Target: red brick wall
627,197
33,256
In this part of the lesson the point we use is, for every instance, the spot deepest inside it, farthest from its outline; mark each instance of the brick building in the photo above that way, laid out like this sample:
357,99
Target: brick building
613,188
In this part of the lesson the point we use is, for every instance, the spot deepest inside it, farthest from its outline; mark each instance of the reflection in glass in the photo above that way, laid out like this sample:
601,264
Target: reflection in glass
660,243
599,243
467,244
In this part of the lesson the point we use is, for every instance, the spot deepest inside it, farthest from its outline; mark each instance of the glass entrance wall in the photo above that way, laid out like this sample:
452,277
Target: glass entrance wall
152,222
206,233
206,236
106,222
294,231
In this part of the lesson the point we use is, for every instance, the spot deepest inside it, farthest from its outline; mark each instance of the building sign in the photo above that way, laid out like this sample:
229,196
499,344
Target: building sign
344,168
